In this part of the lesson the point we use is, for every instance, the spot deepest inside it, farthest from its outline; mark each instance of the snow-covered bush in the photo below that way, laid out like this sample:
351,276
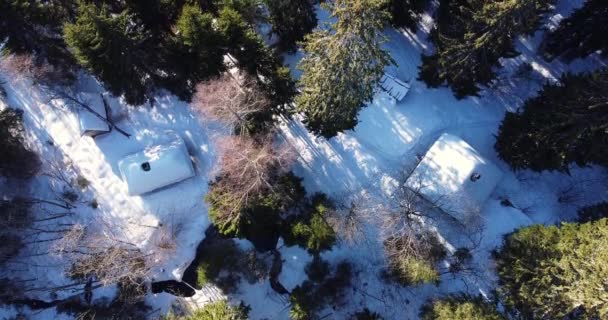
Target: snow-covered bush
460,307
412,258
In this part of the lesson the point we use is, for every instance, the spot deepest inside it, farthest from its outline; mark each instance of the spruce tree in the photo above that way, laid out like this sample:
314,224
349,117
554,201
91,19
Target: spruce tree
291,20
567,123
581,34
556,272
109,46
342,66
471,36
198,51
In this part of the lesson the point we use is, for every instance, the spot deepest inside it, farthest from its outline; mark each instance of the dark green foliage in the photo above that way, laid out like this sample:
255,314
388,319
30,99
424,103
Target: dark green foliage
157,15
16,160
471,36
566,123
110,47
197,52
553,272
291,20
318,269
461,308
342,66
215,257
366,314
257,59
594,212
310,229
581,34
404,13
261,214
309,297
21,22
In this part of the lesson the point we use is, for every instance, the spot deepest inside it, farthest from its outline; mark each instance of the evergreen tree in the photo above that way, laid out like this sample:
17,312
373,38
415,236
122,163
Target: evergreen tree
554,272
342,66
593,212
109,46
461,308
254,57
198,51
15,159
581,34
471,36
21,25
567,122
291,20
405,13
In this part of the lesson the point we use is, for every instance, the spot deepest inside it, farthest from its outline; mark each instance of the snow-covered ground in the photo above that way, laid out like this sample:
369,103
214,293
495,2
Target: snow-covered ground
389,137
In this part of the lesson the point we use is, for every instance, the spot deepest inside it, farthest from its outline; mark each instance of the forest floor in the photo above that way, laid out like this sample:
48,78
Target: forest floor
367,160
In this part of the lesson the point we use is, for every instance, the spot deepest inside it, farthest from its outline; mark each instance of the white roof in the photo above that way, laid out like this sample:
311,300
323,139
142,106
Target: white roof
444,176
169,163
394,87
89,121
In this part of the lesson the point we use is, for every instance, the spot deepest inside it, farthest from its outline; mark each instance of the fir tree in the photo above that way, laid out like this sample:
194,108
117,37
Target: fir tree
342,66
471,36
566,123
555,272
109,46
291,20
461,308
581,34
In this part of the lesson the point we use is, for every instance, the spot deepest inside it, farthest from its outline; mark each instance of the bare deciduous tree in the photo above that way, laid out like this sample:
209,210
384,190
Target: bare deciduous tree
229,102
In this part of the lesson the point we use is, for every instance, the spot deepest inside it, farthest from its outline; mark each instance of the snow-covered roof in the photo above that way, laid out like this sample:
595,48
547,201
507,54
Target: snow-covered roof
156,166
89,122
454,176
394,87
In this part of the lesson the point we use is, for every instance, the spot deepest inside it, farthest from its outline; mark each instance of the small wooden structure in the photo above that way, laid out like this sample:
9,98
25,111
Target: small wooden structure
394,87
90,124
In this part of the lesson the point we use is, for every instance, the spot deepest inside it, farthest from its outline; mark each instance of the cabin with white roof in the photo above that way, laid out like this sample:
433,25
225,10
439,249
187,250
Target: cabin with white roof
156,167
90,123
454,176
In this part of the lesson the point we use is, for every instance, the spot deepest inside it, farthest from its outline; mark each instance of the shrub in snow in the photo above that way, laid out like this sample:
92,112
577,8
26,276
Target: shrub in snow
219,310
594,212
16,160
551,272
366,314
310,229
310,297
412,257
461,308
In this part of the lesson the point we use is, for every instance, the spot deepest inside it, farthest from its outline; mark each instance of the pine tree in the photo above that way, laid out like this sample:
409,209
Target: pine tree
109,47
342,66
291,20
461,308
581,34
553,272
197,53
566,123
471,36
